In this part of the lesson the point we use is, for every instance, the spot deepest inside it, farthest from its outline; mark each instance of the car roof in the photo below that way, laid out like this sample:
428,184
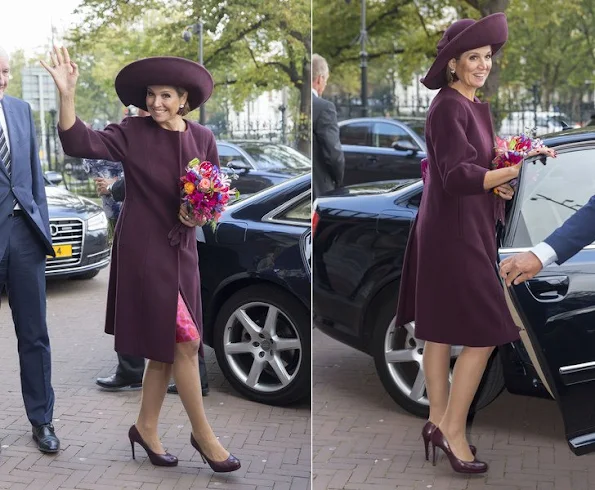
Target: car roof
568,136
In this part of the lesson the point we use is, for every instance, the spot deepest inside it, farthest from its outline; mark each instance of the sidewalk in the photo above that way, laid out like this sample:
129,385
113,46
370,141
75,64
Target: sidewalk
272,443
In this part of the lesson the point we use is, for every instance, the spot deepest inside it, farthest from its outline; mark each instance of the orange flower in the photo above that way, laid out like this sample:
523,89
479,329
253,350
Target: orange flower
189,188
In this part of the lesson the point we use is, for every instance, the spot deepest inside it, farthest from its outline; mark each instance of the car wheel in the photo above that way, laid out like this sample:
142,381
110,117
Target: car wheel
86,275
262,342
398,357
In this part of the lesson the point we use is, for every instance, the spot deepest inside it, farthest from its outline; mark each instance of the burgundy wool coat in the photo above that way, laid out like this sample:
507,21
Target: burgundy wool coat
153,256
449,283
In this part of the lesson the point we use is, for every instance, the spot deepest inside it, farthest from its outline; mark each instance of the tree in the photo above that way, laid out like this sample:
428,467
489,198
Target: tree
250,47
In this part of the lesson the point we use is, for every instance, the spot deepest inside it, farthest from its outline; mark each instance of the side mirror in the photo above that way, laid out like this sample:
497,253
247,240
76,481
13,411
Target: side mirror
54,177
406,145
239,165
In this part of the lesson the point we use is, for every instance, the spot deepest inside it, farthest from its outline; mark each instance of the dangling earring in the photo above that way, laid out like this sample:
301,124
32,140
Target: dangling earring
182,105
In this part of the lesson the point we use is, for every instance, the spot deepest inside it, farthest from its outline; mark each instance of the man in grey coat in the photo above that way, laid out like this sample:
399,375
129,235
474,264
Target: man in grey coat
328,161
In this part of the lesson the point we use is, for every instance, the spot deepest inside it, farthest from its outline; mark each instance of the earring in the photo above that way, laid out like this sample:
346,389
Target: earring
452,72
181,106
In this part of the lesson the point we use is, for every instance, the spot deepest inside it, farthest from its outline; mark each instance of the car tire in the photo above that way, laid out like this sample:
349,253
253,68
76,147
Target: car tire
238,346
399,378
86,275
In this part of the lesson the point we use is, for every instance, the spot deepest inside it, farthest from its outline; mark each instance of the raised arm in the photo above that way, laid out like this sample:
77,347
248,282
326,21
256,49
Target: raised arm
78,140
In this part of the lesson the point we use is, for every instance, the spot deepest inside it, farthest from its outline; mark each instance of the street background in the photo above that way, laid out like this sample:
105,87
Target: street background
365,441
273,443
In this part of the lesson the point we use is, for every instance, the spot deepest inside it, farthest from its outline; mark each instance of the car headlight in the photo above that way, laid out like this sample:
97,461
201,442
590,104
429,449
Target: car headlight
97,222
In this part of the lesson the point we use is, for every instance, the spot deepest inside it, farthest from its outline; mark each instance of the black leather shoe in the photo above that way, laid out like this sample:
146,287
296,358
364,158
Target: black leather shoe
115,383
172,389
46,439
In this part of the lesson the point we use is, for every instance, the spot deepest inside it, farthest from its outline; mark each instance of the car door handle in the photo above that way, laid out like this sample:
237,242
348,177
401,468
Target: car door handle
372,159
549,287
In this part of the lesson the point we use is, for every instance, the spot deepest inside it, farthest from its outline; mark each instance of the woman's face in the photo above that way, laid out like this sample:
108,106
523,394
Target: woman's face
473,67
163,102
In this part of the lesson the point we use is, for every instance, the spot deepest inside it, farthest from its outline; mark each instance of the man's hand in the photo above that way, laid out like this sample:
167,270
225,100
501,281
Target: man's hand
101,185
519,268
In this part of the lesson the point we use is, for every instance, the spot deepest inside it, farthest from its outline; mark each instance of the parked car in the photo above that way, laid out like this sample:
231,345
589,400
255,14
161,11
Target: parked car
79,230
255,280
360,237
378,149
260,164
543,122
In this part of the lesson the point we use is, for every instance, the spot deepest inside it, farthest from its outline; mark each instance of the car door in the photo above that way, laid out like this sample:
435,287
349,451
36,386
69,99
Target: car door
359,154
556,309
392,163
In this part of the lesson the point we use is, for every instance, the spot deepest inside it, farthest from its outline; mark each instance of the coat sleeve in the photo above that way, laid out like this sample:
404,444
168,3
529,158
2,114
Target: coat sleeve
119,190
456,157
83,142
327,136
577,232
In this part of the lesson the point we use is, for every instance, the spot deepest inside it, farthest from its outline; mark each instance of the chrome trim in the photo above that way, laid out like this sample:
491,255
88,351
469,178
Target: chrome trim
97,265
98,253
270,216
577,368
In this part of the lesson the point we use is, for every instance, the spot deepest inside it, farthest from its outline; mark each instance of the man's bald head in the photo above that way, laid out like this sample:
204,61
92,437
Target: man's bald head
4,70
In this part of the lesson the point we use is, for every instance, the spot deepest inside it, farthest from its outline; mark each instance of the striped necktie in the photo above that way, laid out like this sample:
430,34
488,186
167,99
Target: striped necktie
4,151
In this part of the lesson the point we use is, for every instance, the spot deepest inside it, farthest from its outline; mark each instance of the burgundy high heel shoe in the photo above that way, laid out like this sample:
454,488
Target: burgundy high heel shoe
426,434
230,464
156,459
457,464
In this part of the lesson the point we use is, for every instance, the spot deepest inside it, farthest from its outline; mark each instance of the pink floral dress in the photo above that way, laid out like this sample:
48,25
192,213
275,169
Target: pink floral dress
186,330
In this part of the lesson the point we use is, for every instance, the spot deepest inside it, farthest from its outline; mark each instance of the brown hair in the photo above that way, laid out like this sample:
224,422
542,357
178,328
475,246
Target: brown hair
186,109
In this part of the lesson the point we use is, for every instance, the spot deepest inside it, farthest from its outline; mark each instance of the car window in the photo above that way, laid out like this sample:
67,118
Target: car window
276,157
301,212
228,153
357,133
385,134
551,193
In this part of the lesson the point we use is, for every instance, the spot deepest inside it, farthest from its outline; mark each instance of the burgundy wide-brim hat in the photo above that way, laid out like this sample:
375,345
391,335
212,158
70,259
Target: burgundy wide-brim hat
464,35
133,80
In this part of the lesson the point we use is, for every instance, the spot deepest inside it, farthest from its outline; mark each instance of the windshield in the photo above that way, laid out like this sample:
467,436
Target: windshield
271,157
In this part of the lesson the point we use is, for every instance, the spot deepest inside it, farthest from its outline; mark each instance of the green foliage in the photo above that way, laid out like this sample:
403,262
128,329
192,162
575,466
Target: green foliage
250,47
552,46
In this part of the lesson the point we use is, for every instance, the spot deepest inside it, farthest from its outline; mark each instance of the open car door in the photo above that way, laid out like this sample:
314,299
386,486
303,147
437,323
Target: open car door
556,309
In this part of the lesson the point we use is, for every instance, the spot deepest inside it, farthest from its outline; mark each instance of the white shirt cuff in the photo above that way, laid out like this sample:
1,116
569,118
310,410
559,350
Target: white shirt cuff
546,254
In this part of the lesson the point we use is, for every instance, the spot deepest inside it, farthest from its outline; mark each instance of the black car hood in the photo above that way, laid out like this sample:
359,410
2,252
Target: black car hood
370,188
61,200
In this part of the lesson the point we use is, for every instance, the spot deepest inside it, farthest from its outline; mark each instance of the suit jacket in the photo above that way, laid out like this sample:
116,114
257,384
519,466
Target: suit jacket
26,184
119,190
328,161
577,232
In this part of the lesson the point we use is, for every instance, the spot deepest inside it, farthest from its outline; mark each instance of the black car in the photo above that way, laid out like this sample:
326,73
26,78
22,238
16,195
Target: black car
359,245
255,280
260,164
79,230
379,149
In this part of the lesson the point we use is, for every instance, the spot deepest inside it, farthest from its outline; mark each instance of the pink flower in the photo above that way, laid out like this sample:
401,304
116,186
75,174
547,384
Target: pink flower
204,184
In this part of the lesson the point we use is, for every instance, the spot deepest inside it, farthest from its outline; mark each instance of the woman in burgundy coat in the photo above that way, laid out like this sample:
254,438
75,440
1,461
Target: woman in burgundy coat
449,284
153,306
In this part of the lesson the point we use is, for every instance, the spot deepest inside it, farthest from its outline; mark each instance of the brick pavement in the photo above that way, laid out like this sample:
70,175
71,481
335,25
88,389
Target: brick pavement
364,441
273,443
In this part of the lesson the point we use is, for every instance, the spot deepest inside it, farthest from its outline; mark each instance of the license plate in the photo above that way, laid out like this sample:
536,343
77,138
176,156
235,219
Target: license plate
63,251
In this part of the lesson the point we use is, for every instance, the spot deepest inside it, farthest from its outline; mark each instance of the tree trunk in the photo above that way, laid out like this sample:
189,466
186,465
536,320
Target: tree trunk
303,124
487,7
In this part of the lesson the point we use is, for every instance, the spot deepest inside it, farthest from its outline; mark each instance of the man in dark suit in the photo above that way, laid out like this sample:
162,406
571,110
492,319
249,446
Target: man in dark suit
577,232
130,370
25,241
328,161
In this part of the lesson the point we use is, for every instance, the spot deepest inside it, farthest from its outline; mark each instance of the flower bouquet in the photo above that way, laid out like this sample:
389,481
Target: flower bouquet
206,191
512,151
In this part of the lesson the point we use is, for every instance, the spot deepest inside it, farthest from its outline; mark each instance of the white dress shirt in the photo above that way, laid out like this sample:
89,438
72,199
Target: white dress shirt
315,93
546,254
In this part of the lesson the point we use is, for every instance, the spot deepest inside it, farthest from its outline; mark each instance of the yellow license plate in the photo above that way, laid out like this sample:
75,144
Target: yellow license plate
63,251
